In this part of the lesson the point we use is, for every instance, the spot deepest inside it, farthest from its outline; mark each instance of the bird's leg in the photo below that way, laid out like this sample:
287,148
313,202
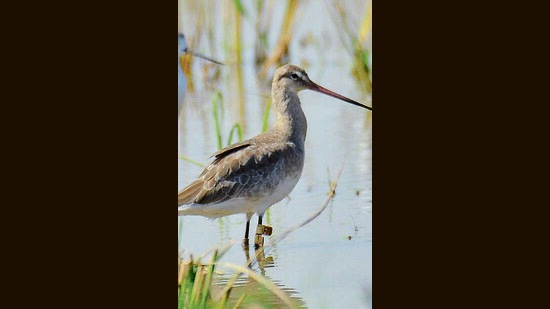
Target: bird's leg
247,255
245,240
260,231
259,239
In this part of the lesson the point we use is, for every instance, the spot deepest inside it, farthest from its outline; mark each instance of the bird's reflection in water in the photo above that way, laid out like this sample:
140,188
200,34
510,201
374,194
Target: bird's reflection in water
252,293
258,258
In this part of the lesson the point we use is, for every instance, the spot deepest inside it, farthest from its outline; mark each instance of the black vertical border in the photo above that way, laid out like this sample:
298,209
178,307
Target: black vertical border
459,170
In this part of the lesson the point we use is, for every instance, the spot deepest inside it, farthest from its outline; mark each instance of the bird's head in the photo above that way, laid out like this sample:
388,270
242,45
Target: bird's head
182,47
290,78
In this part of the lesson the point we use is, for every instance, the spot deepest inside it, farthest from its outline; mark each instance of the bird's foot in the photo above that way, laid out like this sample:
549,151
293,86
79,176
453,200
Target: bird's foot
258,241
259,238
264,230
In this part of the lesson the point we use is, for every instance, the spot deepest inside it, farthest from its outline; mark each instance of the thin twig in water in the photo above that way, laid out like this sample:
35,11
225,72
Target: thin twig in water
285,234
325,204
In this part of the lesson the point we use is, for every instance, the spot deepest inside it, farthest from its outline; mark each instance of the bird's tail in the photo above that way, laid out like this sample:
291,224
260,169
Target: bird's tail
182,210
188,195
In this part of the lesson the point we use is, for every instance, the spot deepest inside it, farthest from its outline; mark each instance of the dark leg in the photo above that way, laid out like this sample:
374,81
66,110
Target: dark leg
245,240
247,230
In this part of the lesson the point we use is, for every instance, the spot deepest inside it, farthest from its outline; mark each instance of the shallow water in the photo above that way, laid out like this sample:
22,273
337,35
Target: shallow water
327,263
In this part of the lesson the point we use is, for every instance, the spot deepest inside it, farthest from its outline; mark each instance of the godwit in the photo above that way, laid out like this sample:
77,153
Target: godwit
251,176
182,83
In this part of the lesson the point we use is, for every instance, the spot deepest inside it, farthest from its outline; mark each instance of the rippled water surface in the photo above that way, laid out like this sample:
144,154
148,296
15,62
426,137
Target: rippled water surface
327,263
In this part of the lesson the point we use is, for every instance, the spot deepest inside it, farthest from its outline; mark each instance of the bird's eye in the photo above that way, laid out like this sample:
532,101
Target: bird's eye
294,76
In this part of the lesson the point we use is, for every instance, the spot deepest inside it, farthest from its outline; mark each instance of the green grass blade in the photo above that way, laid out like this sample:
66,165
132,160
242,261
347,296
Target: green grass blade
216,107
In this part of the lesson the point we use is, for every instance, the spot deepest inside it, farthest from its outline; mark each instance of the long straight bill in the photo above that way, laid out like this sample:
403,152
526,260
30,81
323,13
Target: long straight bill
323,90
202,56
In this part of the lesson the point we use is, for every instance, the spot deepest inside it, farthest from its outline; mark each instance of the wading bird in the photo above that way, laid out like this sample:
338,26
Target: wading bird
250,176
182,83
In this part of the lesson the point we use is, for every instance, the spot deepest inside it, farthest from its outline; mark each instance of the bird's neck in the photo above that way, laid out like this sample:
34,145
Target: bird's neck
290,119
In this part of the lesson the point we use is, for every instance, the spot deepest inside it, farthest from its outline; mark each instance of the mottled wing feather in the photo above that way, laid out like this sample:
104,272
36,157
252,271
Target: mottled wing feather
240,170
187,195
231,149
